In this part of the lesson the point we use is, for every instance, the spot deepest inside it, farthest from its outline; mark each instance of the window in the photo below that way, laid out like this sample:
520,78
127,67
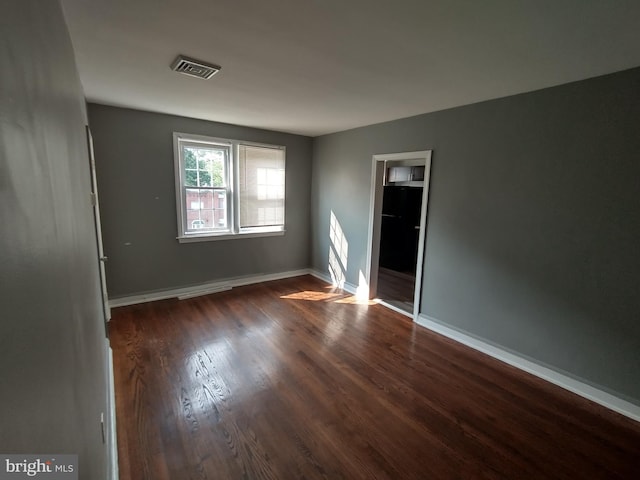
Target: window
261,186
228,188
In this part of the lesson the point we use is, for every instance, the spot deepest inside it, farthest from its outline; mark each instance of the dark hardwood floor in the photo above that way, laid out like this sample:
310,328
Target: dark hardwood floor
396,288
292,379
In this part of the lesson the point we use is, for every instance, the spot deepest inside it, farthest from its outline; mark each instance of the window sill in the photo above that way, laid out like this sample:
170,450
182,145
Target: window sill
229,236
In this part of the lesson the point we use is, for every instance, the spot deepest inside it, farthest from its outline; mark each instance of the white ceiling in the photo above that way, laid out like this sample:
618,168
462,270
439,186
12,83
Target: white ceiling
319,66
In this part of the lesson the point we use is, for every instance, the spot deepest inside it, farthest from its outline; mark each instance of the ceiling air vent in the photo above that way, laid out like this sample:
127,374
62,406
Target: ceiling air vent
195,68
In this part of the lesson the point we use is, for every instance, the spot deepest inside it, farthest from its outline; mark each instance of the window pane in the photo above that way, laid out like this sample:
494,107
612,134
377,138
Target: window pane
189,158
205,166
220,209
191,178
204,162
206,209
262,180
217,172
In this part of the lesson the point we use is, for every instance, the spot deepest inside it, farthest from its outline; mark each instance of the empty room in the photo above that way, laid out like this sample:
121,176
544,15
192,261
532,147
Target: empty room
320,240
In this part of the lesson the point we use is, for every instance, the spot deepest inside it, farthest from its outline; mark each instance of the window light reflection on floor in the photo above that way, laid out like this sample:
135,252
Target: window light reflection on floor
313,296
336,297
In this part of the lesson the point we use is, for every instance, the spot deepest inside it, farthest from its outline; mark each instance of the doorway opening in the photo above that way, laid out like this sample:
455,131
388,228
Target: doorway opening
397,225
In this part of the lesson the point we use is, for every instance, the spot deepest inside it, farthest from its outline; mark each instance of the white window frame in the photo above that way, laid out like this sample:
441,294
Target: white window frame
233,192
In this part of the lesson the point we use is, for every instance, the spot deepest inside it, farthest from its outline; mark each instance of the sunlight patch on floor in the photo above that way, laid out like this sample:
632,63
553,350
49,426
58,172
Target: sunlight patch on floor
313,296
333,296
354,300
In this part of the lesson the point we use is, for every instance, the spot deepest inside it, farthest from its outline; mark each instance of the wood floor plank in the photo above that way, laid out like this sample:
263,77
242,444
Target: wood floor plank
293,379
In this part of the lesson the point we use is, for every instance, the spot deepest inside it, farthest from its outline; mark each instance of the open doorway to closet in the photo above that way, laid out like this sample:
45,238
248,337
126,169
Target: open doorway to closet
397,227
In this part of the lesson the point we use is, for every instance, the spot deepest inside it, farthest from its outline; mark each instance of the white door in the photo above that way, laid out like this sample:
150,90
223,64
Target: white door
96,211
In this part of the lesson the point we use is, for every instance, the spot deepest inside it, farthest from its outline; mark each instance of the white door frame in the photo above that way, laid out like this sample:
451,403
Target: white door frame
109,423
100,247
422,157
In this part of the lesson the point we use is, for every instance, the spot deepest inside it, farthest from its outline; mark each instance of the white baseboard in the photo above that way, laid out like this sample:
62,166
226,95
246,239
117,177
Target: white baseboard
390,306
349,287
568,383
325,277
204,289
578,387
112,444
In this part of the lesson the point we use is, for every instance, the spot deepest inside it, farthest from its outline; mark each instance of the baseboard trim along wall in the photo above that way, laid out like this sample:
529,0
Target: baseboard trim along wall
112,436
568,383
578,387
204,288
325,277
573,385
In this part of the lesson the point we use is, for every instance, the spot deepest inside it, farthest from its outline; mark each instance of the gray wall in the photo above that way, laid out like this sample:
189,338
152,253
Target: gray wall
52,345
534,221
134,155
